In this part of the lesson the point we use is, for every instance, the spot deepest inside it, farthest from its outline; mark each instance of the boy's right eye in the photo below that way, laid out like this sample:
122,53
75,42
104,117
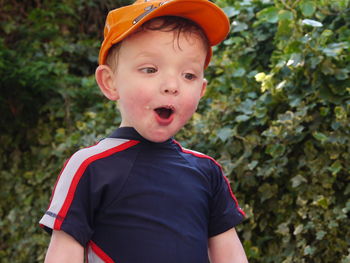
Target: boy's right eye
148,70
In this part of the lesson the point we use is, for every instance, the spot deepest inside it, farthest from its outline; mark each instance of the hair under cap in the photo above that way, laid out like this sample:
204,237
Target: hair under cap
122,22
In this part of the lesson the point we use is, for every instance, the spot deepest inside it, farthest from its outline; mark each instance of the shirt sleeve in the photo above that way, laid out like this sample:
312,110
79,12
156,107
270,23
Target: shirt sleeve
225,212
72,205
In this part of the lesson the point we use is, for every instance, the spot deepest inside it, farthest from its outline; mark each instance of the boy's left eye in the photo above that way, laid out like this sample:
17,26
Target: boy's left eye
190,76
148,70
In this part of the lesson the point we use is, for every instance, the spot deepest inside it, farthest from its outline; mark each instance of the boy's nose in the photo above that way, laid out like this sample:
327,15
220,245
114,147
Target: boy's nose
170,87
170,90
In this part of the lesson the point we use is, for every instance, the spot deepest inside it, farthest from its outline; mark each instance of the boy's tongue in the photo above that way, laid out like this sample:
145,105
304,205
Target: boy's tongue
163,112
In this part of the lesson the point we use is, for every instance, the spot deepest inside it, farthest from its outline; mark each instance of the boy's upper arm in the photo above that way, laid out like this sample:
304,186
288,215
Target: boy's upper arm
64,248
226,248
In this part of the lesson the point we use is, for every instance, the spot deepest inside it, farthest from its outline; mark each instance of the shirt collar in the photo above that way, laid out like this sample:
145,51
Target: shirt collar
131,134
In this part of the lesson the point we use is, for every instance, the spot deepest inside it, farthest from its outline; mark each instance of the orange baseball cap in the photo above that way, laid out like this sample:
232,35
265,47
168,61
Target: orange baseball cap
122,22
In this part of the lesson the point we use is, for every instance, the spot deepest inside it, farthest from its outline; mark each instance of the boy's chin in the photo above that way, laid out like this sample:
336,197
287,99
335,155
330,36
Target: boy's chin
158,139
159,136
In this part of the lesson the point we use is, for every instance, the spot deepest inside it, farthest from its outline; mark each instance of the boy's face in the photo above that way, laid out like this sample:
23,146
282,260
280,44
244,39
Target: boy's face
158,81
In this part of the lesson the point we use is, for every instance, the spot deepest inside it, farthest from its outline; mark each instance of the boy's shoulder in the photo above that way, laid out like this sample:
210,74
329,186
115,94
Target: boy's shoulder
103,148
81,159
196,153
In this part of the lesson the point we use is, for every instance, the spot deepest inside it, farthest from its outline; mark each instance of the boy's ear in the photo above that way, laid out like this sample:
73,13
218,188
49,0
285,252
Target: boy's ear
105,79
204,87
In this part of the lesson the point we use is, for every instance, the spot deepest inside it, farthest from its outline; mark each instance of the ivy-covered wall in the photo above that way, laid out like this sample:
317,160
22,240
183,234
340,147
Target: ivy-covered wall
276,116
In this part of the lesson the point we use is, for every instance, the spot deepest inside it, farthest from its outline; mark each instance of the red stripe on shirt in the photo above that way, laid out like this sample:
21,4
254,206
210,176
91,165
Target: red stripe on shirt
72,188
200,155
59,176
100,253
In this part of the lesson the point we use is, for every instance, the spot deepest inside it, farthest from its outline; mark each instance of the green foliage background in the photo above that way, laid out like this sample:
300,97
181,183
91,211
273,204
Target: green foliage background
276,116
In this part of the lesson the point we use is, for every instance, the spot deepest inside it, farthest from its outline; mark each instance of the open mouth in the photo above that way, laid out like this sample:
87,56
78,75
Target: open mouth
164,112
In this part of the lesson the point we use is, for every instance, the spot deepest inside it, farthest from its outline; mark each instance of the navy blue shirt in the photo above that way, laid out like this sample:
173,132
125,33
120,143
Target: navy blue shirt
129,200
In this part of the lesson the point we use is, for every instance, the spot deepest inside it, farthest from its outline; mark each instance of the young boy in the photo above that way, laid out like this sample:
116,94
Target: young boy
138,196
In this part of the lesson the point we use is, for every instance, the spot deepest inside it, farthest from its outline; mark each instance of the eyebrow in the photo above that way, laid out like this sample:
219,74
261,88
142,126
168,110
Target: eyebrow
146,54
156,54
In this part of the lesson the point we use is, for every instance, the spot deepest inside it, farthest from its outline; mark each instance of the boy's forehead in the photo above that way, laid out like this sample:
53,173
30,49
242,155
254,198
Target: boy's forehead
174,37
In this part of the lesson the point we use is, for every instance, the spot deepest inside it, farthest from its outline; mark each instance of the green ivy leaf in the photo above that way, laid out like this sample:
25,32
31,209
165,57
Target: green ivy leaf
252,164
285,15
239,72
283,229
246,107
335,49
321,201
267,191
312,23
269,14
298,180
308,8
309,250
224,133
336,167
239,26
275,150
320,234
231,11
242,118
298,229
320,136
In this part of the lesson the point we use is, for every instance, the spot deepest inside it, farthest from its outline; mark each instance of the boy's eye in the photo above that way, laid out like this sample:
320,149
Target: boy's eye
189,76
148,70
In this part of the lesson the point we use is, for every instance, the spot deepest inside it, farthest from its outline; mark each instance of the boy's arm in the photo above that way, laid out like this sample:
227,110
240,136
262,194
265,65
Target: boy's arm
64,248
226,248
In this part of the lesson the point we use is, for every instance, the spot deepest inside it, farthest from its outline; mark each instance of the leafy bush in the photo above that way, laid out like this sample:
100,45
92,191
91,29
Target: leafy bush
276,116
48,53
